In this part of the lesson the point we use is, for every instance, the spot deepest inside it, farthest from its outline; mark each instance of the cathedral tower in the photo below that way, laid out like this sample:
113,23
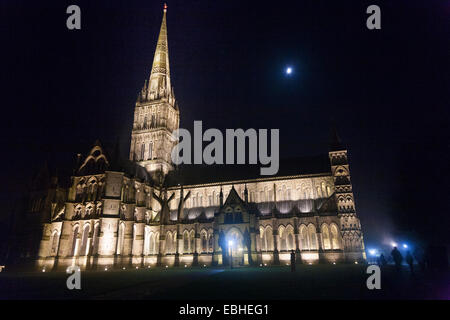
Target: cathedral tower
156,114
351,233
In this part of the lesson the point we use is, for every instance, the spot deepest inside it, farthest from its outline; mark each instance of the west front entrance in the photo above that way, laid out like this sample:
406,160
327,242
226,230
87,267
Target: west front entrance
236,247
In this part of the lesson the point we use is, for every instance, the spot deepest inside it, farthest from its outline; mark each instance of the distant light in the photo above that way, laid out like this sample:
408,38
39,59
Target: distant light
106,269
310,263
167,266
393,244
230,243
260,264
204,265
43,270
148,267
405,246
289,70
334,262
185,266
356,262
137,267
265,264
372,252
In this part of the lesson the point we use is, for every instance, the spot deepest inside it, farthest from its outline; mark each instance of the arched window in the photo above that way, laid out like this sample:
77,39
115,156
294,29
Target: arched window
334,236
326,237
84,240
147,241
282,237
169,242
192,241
269,238
95,238
150,151
174,243
186,242
156,244
324,189
92,191
210,241
312,237
77,212
143,151
204,240
304,238
74,241
89,210
120,240
290,240
79,194
55,241
262,238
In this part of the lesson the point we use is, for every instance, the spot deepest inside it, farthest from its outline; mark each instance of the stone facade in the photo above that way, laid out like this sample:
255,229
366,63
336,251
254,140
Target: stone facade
112,217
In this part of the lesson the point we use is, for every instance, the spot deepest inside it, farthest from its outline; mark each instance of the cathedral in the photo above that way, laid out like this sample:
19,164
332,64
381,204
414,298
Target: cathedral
145,211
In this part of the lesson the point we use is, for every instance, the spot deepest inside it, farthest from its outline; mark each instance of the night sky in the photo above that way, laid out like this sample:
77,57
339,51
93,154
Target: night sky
387,90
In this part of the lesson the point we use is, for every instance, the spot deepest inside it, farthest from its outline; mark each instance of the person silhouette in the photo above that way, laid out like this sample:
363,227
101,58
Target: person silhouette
419,255
382,260
292,261
397,257
410,261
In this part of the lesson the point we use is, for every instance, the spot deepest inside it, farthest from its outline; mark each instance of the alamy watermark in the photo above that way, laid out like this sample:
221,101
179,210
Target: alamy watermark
74,280
214,152
374,280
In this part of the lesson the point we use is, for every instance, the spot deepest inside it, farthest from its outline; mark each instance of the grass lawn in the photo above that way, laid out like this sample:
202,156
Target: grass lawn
309,282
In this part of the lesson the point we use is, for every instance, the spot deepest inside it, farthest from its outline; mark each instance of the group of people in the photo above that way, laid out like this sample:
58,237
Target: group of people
397,257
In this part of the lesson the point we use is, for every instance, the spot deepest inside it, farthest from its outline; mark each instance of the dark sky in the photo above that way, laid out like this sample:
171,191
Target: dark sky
386,89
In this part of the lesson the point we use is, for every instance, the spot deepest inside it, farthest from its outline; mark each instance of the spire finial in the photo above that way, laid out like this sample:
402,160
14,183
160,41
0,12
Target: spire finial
165,7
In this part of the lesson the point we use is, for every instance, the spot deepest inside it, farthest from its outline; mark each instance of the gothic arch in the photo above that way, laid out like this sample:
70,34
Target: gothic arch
335,243
204,240
325,237
282,238
84,248
186,241
75,231
192,241
54,243
312,237
304,242
290,237
121,237
95,237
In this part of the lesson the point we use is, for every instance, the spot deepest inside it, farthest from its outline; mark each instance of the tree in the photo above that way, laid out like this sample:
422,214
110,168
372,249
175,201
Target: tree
223,245
248,244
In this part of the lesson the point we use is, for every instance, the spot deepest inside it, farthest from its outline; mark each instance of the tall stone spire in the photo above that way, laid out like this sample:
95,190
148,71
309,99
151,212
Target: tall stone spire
159,85
156,114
